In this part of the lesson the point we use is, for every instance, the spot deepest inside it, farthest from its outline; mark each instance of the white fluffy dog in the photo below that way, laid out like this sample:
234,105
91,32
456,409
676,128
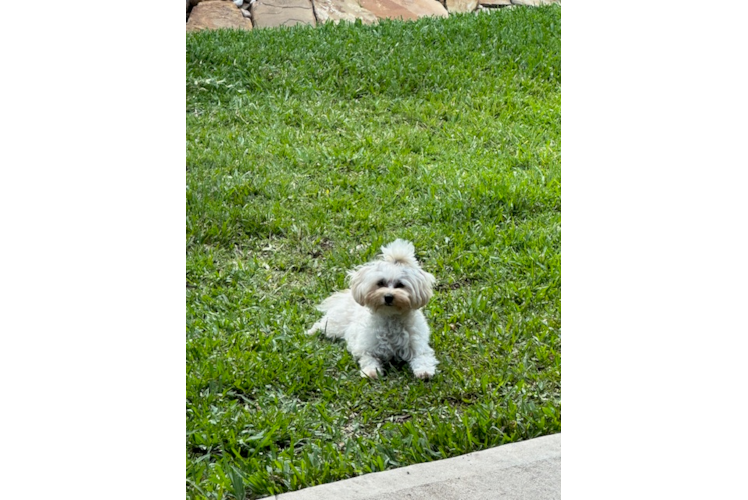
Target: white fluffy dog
380,317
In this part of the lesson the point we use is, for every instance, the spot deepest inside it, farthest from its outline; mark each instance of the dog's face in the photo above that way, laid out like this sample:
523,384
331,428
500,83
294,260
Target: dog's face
387,288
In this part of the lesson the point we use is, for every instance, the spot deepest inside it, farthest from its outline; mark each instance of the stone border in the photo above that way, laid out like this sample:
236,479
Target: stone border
526,470
249,14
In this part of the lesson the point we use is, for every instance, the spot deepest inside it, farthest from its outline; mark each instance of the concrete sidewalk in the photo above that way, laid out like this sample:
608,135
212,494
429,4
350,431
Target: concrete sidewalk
528,470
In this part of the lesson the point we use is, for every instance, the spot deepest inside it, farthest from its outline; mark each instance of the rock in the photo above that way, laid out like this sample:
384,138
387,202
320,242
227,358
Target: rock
342,10
494,3
458,6
271,13
423,8
216,14
388,9
246,14
404,9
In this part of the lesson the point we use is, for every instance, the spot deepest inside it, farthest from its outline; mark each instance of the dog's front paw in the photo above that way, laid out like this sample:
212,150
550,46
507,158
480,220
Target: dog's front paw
424,374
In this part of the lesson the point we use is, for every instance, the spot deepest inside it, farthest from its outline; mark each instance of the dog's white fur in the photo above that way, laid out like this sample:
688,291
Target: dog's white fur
380,316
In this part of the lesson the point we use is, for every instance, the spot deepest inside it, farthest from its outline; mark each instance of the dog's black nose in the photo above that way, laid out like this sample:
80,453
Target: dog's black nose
388,299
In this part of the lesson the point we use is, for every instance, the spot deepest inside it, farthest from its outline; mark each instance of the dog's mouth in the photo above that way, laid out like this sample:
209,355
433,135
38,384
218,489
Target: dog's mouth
393,306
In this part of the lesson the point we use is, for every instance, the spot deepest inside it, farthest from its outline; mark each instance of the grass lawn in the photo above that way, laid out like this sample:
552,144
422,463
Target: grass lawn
307,150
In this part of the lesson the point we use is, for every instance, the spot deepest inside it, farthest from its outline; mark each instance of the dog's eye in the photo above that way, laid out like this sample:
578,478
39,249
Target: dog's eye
381,283
399,285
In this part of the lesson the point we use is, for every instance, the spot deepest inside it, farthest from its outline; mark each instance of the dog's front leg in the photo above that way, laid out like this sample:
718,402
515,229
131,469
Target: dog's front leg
370,366
423,363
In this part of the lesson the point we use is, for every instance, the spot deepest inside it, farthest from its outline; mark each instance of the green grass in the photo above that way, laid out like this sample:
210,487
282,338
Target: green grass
308,149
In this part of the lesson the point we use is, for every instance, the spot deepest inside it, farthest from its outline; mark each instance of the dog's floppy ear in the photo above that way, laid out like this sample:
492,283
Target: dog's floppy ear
423,285
359,283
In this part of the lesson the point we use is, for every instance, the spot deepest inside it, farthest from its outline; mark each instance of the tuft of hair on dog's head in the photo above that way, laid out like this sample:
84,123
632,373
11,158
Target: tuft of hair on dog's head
394,285
400,252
